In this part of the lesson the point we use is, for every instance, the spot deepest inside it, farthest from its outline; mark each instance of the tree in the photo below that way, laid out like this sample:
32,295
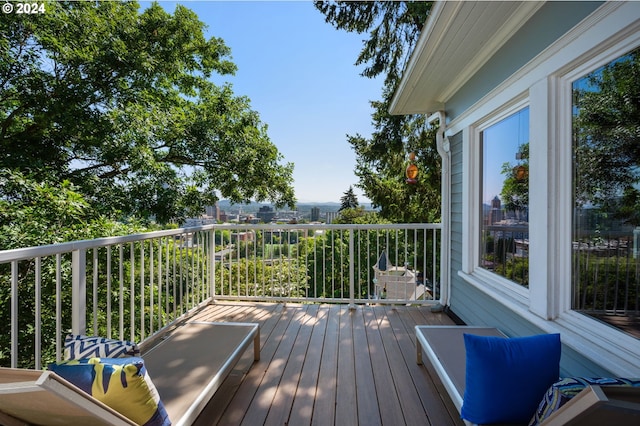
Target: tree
120,103
607,138
348,200
515,187
393,29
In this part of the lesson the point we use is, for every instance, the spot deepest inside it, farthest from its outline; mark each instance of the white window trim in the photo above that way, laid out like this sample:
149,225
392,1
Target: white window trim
496,282
597,334
545,82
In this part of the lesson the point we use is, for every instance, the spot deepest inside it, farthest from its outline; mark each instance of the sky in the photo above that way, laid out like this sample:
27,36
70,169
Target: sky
501,142
300,75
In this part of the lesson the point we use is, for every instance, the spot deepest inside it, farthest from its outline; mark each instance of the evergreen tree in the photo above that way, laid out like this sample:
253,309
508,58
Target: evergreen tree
393,29
349,200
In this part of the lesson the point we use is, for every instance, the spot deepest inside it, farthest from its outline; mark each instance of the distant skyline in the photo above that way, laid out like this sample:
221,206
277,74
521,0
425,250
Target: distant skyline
300,75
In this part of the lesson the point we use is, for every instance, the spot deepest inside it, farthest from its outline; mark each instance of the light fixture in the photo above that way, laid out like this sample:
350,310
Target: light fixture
520,173
412,170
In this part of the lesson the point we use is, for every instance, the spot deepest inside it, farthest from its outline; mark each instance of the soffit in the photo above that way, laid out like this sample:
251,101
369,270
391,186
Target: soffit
458,38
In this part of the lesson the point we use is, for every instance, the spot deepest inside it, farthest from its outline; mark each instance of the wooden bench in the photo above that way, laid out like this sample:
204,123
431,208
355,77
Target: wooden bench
187,367
444,346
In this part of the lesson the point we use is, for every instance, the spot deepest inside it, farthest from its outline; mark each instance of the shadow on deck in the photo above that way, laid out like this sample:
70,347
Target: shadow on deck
328,365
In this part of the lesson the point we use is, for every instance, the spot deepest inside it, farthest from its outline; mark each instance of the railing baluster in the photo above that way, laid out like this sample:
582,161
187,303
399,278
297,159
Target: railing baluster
151,286
352,277
108,272
142,292
38,316
121,290
79,291
132,292
95,291
14,314
58,306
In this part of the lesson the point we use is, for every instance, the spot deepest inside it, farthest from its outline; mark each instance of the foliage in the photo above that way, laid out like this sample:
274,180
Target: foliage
381,164
515,187
348,200
120,103
607,135
393,29
606,278
40,213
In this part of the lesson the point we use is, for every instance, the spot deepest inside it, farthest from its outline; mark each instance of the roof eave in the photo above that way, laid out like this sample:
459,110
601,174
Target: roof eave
452,47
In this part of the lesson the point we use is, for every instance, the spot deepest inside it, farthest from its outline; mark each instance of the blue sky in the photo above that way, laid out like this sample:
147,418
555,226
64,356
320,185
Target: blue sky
300,75
501,143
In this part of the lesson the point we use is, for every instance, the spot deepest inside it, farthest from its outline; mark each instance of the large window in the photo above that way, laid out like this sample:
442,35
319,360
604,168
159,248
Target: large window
606,193
505,198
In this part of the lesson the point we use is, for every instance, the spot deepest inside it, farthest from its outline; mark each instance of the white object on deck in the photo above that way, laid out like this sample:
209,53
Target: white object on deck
396,282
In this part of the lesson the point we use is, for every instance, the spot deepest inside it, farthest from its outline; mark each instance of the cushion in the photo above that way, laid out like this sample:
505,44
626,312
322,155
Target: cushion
507,377
562,391
79,347
121,383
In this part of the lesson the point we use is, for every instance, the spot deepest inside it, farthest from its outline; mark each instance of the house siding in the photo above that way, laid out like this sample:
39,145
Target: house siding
549,23
455,143
475,307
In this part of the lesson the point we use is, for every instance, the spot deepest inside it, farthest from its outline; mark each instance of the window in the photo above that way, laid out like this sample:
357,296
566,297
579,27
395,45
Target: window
505,198
606,193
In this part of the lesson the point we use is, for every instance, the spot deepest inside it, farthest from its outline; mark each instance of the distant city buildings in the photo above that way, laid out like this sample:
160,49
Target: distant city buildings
266,214
331,216
213,212
255,213
495,214
315,214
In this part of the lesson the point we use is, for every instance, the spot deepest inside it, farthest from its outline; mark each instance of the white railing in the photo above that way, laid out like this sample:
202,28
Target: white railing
131,287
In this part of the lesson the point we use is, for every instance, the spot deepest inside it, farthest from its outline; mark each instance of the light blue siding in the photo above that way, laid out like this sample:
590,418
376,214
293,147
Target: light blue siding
474,307
549,23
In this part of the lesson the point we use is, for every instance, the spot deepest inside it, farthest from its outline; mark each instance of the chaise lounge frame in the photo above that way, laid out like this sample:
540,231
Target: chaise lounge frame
187,366
593,406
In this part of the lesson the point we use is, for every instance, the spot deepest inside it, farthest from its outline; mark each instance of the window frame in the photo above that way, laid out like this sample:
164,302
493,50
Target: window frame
564,82
545,85
493,281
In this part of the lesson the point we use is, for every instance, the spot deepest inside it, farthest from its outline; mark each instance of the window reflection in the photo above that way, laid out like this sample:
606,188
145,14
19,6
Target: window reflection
606,192
505,198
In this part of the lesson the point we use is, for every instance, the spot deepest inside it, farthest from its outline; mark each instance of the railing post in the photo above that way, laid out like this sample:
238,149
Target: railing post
14,314
212,264
79,292
352,304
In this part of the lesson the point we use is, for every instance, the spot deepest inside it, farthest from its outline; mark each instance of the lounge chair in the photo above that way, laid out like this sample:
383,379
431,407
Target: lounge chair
187,366
44,398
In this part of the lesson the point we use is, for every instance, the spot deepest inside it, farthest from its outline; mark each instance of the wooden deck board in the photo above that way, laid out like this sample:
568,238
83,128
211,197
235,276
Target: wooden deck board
325,401
346,392
390,409
367,401
330,365
302,409
286,391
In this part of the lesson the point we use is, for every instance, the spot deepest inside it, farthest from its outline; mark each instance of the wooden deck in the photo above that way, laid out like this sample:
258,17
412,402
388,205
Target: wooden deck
328,365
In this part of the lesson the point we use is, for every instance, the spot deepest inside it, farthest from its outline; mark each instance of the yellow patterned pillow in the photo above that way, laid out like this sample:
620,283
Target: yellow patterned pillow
121,383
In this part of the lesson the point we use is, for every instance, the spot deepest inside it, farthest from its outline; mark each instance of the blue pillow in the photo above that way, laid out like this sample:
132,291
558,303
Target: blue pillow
121,383
507,378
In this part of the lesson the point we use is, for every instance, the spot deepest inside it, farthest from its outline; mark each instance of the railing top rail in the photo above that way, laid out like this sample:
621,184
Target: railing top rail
302,226
68,247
